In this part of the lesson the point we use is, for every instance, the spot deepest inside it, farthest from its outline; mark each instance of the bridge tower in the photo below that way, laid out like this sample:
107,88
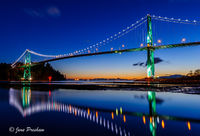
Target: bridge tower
150,50
26,96
152,112
27,67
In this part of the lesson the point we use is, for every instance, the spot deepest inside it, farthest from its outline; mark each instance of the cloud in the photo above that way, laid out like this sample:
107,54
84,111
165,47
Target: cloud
157,60
53,11
41,13
143,64
34,13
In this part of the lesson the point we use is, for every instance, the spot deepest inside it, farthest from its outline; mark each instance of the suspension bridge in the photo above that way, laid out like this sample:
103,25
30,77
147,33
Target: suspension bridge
149,47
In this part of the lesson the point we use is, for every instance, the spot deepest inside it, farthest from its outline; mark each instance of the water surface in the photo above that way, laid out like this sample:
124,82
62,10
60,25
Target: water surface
99,112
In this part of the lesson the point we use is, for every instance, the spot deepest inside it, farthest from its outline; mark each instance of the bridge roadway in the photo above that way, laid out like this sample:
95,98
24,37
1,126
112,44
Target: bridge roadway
123,50
115,51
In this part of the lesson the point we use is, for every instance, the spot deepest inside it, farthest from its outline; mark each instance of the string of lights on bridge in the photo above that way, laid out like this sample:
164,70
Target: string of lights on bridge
94,46
173,20
117,35
107,40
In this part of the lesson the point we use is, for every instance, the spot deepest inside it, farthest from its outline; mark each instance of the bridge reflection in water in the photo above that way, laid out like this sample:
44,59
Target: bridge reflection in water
29,102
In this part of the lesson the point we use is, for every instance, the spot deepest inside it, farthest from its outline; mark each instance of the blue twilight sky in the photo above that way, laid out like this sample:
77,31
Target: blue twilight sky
64,26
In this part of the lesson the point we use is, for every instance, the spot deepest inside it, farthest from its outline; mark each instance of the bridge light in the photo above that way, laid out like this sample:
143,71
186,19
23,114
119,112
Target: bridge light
120,110
123,45
150,119
124,118
96,114
49,92
159,41
163,124
183,40
116,111
141,45
88,111
144,120
112,115
189,125
50,77
111,49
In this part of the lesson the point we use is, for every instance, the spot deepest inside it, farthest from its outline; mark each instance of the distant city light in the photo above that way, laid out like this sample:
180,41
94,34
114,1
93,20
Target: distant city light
141,45
123,45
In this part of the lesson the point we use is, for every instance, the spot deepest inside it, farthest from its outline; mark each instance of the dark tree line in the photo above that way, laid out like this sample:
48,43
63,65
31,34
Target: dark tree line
195,73
39,72
42,72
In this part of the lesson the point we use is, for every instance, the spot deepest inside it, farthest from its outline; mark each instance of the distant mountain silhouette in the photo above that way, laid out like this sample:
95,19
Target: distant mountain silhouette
171,76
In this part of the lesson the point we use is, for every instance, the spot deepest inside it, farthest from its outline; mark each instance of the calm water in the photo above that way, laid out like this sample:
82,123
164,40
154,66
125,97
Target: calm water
98,113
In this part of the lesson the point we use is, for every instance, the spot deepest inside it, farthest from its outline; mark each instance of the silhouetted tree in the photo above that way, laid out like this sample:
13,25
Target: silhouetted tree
190,73
38,72
197,72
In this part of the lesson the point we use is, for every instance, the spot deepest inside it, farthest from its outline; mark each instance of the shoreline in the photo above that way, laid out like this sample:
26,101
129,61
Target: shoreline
118,86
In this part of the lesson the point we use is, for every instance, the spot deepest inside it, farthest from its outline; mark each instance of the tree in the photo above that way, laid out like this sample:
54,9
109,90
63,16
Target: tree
197,72
190,73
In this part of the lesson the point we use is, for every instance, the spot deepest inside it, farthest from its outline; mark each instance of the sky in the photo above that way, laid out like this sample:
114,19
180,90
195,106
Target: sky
62,26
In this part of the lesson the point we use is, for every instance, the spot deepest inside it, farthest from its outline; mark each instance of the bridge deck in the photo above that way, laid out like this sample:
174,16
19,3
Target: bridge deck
119,51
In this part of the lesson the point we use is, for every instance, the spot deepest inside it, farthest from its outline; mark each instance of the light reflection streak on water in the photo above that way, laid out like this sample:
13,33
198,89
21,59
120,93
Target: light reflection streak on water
46,102
86,113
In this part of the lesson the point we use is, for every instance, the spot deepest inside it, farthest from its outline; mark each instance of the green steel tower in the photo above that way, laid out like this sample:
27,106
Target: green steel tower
150,50
27,68
26,96
152,112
